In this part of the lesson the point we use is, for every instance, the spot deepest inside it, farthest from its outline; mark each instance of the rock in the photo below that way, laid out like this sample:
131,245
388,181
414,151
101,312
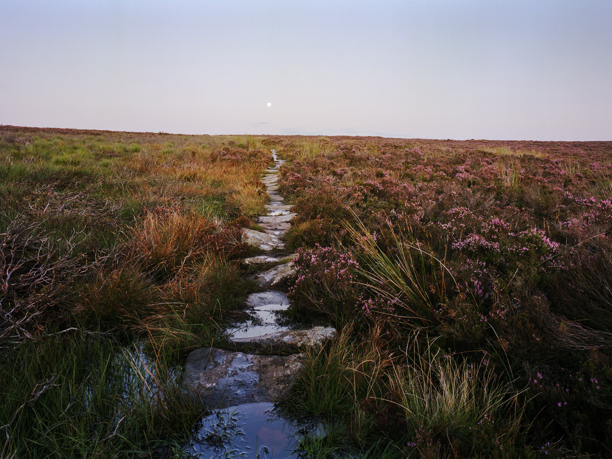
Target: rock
289,258
274,195
264,241
271,297
260,259
277,213
219,379
276,275
285,341
276,219
274,208
277,228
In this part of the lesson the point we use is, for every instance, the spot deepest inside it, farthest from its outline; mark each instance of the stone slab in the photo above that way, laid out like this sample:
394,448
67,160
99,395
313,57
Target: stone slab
277,213
287,207
278,228
286,341
218,379
275,297
264,241
276,219
260,259
275,276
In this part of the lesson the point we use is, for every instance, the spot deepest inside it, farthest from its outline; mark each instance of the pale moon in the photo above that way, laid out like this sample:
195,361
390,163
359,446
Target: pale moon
269,104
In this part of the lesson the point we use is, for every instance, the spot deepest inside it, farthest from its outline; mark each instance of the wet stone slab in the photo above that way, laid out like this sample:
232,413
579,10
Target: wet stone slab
260,259
277,213
217,378
284,341
264,241
263,321
276,219
277,207
275,276
277,229
274,297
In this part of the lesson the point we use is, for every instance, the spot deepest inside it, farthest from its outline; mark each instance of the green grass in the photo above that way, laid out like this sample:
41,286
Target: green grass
117,257
119,253
78,395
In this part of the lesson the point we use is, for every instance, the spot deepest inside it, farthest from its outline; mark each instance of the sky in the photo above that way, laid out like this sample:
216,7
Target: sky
439,69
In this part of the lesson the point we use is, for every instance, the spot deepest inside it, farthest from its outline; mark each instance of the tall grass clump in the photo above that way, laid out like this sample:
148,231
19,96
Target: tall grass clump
73,396
451,405
118,299
406,284
424,402
309,149
167,241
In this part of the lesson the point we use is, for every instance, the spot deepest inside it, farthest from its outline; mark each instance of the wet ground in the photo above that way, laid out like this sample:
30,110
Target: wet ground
242,386
253,430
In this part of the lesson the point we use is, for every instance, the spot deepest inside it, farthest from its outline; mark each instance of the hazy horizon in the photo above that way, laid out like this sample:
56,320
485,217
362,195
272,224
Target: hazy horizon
521,70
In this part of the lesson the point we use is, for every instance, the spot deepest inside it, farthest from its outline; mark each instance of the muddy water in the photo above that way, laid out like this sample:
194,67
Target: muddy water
256,430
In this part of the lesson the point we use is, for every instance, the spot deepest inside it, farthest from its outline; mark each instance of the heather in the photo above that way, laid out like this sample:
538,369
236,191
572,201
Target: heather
490,255
470,283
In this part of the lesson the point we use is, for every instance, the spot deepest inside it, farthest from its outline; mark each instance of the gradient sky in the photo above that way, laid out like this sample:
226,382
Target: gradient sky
459,69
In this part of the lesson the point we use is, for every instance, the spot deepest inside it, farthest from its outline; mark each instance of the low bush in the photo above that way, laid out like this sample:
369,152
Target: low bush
325,283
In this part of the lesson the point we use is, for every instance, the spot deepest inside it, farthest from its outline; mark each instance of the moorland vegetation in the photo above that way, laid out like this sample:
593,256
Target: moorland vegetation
475,279
117,255
471,284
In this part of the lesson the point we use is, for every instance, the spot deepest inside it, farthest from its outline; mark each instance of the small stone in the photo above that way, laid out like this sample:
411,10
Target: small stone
276,275
260,259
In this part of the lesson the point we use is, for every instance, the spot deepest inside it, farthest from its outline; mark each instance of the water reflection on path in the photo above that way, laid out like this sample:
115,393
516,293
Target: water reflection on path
256,430
252,430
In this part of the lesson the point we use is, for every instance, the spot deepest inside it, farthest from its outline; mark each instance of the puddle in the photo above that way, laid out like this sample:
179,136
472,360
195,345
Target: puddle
264,319
253,430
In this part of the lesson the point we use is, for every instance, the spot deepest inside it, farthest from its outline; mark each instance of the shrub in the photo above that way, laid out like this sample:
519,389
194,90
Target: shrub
311,233
121,298
325,283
